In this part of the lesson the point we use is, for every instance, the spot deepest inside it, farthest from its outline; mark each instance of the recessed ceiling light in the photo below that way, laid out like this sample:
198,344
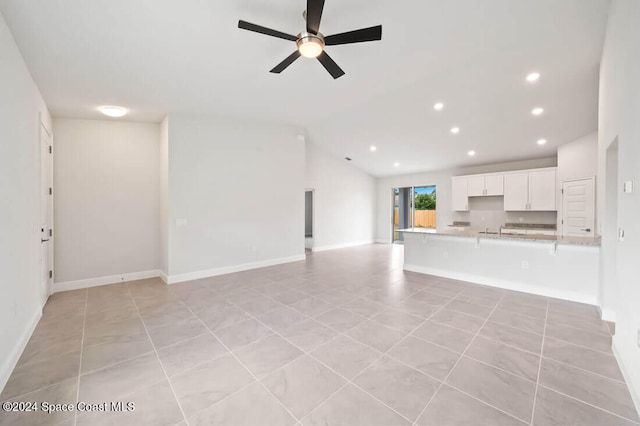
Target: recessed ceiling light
438,106
533,77
537,111
396,164
541,141
373,148
471,153
113,111
455,130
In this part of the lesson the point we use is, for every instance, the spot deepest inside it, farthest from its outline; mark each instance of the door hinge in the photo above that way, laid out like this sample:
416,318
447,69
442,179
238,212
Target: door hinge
562,191
50,149
51,232
50,191
50,274
562,222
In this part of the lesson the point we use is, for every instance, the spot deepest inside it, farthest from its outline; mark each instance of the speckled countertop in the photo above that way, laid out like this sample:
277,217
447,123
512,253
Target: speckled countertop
583,241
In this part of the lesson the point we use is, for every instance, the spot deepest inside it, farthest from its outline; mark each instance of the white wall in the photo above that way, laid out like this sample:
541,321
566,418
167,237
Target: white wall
344,204
239,185
577,159
442,179
21,107
107,199
618,119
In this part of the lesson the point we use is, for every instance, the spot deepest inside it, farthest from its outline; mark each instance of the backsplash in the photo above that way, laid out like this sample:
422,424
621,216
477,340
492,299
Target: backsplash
487,212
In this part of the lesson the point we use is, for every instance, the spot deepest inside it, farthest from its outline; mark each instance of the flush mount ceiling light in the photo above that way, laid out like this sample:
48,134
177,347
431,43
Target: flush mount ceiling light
396,164
533,77
455,130
113,111
537,111
471,153
439,106
541,141
373,148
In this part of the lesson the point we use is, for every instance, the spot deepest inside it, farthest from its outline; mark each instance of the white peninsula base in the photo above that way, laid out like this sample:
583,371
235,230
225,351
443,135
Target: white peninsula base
547,268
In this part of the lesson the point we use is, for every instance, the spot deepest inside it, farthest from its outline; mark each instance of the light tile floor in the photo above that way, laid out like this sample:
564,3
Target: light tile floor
343,338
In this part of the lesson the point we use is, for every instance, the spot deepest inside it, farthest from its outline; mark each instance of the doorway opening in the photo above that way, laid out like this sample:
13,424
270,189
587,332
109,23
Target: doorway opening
308,219
413,207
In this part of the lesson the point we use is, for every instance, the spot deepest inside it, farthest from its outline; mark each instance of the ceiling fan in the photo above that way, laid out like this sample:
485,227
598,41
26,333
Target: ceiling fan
311,43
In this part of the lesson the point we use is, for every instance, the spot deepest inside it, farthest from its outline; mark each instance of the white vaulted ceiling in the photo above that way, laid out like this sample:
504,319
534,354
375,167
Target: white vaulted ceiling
162,56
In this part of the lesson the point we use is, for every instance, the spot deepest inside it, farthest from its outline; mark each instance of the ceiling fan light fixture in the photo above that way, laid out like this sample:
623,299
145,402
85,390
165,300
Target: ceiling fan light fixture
310,45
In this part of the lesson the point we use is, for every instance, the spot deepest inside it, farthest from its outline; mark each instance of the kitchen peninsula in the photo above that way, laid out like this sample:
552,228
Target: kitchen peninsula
554,266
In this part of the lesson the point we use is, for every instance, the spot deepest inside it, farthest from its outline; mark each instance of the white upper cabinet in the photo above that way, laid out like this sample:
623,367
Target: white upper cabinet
526,190
459,194
485,185
494,185
516,191
534,190
542,190
476,186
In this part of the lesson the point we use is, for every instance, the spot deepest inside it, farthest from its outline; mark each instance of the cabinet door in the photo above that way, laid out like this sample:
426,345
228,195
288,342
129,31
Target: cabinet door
516,191
542,190
476,186
494,185
459,197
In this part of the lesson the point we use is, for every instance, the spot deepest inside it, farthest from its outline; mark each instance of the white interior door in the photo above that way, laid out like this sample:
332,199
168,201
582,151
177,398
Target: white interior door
578,208
46,213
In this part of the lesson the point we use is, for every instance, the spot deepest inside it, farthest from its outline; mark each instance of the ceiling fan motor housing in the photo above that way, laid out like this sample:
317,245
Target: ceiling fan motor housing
310,45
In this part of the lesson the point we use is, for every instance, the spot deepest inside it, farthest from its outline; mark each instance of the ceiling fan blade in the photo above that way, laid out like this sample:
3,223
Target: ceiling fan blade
357,36
264,30
284,64
330,65
314,14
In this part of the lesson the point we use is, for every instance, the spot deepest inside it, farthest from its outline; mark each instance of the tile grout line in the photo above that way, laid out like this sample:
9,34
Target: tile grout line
591,405
84,320
456,364
237,360
535,395
175,396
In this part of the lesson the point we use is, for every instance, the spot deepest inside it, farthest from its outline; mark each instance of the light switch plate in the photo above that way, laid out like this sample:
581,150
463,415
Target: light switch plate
628,187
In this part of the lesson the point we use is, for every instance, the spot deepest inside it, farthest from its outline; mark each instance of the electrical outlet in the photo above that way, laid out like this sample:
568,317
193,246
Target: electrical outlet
525,264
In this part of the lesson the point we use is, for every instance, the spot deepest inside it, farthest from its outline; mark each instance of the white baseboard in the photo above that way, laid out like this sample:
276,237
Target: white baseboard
342,245
634,386
507,285
164,277
172,279
98,281
382,241
10,363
